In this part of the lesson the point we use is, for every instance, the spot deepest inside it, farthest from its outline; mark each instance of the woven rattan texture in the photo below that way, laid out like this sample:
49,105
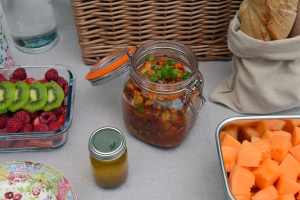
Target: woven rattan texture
106,25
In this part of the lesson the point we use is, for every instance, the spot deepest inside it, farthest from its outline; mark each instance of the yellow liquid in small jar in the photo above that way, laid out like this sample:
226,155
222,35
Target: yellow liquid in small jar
110,173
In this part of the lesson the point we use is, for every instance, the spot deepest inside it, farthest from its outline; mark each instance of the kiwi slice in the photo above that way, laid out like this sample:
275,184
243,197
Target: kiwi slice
55,96
21,96
37,97
7,94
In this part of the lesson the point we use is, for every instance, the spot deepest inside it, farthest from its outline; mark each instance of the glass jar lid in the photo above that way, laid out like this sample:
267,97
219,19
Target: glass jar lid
107,143
115,64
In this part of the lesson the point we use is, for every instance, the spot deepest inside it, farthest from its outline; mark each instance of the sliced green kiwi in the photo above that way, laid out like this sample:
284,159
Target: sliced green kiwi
21,96
7,94
37,97
55,96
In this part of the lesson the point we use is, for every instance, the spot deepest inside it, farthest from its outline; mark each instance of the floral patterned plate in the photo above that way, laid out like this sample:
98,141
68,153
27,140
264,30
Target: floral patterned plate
33,181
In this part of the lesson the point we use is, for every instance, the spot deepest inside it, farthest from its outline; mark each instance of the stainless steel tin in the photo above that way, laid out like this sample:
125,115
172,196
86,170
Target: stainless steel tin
243,121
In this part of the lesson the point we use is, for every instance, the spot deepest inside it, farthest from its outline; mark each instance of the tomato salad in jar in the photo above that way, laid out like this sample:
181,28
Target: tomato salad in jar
157,118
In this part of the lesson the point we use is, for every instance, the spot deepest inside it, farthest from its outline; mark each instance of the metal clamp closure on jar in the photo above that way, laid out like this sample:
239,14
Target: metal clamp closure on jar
196,85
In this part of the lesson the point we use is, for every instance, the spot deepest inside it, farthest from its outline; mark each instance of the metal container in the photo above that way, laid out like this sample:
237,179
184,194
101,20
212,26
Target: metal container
237,125
34,141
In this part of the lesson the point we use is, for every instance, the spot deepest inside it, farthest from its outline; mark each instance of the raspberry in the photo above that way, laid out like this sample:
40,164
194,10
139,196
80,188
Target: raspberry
3,130
63,84
3,120
40,128
27,128
58,111
47,117
54,126
2,78
51,75
19,73
13,80
32,115
14,124
22,115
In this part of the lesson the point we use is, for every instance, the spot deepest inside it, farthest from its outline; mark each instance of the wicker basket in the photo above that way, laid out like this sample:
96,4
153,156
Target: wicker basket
107,25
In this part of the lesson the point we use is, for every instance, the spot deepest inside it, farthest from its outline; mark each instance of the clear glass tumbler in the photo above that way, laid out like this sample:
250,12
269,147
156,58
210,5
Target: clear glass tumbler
31,23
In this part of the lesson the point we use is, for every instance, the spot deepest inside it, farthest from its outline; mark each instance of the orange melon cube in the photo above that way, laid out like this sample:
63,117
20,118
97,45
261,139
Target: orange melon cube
229,155
243,197
221,136
249,155
228,140
269,192
232,130
270,134
290,124
286,197
280,146
295,151
240,181
267,173
286,185
296,136
254,139
290,167
270,125
265,147
247,132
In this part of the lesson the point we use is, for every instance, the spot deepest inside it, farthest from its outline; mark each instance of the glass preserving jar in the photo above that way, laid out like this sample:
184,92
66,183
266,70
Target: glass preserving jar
108,157
156,112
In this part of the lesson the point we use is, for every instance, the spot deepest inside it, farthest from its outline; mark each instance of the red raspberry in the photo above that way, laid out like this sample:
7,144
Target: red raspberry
27,128
3,130
13,80
54,126
58,111
32,115
19,73
14,124
47,117
22,115
3,120
62,119
51,75
40,128
2,78
63,84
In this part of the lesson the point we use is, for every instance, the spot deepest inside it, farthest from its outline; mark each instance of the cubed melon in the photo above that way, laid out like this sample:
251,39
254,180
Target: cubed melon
296,136
247,132
268,193
232,130
229,155
228,140
286,197
270,125
286,185
290,124
249,155
267,173
280,146
265,147
240,181
290,167
270,134
295,151
221,135
254,138
243,197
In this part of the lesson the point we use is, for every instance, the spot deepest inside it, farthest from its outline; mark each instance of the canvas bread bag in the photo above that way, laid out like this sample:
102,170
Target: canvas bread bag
265,76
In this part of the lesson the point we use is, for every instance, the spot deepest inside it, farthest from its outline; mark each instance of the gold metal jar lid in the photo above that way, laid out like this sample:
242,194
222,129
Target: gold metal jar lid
107,143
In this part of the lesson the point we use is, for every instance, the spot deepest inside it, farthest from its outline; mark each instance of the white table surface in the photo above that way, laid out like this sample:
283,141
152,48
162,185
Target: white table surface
190,170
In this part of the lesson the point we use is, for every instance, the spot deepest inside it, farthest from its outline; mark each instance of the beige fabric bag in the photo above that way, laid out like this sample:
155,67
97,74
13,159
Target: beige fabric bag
265,76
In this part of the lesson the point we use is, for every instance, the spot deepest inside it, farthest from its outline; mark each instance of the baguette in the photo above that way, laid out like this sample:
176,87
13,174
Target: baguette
296,27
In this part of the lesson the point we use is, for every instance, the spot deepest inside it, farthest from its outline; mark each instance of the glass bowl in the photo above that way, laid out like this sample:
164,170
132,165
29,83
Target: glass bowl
33,141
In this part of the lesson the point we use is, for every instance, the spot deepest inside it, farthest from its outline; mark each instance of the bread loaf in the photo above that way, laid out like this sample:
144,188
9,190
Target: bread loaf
267,19
296,27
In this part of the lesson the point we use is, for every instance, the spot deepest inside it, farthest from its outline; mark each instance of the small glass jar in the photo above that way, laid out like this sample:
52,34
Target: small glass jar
157,113
108,157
